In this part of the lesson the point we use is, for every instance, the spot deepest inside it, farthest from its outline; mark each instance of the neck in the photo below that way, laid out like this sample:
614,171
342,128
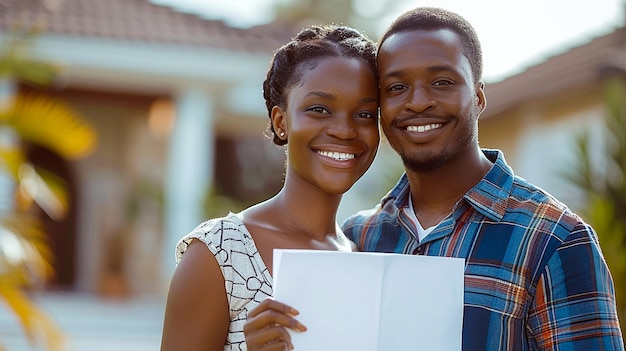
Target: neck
306,210
436,192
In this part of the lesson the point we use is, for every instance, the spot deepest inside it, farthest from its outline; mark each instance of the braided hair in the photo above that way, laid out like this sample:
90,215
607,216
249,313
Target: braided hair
294,58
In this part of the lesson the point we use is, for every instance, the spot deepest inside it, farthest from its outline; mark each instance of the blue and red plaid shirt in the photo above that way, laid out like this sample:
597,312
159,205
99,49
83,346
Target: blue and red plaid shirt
535,278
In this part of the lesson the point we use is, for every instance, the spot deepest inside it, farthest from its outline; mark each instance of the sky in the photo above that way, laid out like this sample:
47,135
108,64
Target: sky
514,34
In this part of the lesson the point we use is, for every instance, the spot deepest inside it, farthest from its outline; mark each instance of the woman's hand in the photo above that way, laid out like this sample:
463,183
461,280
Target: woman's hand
265,328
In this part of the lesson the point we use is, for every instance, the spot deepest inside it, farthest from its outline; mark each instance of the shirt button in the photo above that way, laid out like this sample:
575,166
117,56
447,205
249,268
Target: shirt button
419,251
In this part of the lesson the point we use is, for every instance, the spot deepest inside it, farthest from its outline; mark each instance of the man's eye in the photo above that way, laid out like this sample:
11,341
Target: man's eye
396,87
442,82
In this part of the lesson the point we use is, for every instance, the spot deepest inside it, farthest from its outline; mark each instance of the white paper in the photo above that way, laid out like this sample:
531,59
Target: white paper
371,301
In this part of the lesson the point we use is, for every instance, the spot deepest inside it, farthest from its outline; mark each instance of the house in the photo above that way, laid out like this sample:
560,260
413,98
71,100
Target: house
536,115
177,103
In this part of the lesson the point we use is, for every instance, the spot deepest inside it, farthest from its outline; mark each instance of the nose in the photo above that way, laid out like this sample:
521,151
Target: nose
419,100
343,128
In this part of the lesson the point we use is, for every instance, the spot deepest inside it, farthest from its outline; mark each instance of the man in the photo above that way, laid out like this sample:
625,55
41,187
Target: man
535,278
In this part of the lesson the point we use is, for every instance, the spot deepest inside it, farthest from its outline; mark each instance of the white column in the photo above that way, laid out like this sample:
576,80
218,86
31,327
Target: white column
189,171
9,139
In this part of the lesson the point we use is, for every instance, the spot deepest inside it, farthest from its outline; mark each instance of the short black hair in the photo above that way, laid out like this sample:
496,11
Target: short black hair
311,43
433,18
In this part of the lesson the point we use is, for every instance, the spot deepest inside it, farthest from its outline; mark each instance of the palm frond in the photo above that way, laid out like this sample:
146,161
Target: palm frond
15,61
38,326
11,158
25,262
25,256
43,188
50,123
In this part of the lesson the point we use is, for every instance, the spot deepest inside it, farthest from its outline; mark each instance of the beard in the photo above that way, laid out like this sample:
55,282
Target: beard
425,161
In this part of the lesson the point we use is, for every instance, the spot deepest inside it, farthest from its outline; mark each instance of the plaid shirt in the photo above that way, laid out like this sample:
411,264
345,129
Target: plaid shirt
535,278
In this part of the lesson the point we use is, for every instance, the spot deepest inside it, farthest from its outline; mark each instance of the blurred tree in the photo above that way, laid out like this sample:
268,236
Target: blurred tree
25,259
605,189
363,15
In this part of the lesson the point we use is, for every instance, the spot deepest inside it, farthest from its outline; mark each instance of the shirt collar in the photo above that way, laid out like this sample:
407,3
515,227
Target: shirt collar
399,194
489,196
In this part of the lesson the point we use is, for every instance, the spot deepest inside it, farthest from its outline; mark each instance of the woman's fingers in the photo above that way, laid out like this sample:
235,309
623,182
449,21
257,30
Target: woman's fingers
271,312
265,327
270,318
271,304
275,347
270,338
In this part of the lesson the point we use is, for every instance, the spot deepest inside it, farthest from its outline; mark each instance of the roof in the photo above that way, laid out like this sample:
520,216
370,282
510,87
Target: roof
142,21
576,69
138,20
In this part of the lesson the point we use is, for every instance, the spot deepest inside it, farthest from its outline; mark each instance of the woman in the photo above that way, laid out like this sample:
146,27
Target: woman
322,99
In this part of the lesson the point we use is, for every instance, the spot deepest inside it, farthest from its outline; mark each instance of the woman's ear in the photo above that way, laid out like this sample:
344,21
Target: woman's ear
279,122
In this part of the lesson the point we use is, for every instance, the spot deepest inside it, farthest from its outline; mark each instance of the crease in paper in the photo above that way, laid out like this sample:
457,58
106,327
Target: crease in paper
371,301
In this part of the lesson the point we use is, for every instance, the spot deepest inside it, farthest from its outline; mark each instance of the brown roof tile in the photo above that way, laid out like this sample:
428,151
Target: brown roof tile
139,20
577,68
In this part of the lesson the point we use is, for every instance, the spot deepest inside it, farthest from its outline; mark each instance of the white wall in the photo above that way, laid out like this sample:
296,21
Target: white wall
547,150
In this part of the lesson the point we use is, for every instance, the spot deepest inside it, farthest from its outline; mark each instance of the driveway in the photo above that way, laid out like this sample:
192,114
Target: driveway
93,323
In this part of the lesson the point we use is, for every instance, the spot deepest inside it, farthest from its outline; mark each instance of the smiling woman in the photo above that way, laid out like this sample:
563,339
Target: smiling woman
321,95
332,114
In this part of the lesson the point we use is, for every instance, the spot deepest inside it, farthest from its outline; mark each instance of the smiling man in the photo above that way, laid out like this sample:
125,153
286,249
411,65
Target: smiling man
535,278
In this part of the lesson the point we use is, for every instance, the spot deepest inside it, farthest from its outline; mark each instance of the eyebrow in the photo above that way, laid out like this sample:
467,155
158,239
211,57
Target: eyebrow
334,97
433,69
321,94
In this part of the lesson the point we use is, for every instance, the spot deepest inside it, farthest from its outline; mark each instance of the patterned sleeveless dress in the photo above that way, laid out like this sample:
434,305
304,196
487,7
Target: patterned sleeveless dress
248,281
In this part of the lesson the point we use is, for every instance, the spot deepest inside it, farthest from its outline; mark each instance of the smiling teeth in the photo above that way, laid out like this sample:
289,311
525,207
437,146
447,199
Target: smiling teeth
421,129
340,156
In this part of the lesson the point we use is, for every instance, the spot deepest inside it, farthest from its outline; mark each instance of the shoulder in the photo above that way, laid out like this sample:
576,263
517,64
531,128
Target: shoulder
196,291
362,218
228,223
386,211
527,199
523,203
216,234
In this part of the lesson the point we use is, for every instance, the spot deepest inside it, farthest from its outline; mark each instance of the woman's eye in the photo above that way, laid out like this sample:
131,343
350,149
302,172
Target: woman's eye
366,115
318,109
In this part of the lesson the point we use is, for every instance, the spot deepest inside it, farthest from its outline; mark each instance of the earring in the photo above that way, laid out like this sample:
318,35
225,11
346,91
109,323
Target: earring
281,134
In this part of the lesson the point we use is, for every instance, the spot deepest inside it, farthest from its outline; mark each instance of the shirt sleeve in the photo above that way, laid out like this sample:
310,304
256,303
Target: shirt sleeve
574,306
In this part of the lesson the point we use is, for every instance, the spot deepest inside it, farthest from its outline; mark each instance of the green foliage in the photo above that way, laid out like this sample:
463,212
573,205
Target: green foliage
363,15
612,235
25,258
16,61
218,205
605,189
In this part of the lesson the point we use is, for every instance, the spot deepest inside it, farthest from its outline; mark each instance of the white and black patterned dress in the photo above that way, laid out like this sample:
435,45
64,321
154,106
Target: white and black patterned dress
248,282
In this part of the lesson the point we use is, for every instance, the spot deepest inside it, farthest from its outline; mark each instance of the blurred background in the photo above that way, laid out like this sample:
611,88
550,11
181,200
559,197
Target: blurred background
125,123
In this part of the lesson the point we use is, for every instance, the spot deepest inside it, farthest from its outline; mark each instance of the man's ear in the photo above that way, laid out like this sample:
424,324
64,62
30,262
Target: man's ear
481,99
279,122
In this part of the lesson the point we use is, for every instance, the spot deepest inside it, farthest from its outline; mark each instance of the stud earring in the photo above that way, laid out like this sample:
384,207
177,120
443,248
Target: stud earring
281,134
